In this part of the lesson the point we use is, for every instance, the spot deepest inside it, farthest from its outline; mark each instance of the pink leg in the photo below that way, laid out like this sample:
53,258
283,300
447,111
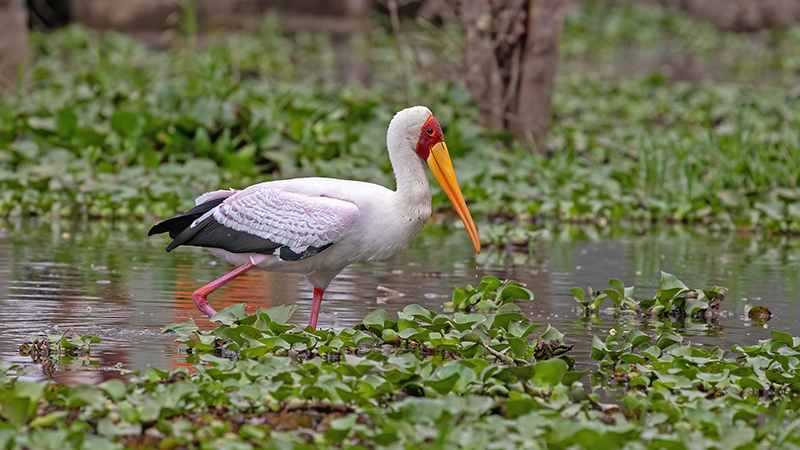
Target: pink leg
199,296
312,321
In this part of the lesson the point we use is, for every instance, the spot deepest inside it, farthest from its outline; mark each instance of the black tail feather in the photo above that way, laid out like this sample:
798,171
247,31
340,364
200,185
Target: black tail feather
210,233
177,224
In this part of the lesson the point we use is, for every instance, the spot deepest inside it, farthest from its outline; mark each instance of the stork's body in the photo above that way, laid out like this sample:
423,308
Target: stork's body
318,226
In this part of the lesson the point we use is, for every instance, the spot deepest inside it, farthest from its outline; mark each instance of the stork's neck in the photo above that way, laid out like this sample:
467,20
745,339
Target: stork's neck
409,168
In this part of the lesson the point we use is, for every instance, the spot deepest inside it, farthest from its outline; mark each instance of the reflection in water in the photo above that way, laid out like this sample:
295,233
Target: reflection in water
110,281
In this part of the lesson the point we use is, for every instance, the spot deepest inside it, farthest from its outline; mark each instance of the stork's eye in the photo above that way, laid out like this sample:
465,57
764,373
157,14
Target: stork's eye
429,131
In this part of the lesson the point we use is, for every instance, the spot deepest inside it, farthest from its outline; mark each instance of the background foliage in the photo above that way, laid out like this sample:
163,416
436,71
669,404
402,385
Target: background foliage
680,121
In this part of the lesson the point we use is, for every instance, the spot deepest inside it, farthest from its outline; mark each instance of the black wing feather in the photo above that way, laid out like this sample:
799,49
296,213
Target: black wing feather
177,224
210,233
287,254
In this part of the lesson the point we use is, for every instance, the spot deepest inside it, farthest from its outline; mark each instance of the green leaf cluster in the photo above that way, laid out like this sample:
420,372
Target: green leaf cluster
672,298
490,294
704,393
57,347
504,335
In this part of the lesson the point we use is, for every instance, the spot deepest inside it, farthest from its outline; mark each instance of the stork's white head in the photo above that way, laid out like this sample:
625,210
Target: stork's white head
416,128
406,125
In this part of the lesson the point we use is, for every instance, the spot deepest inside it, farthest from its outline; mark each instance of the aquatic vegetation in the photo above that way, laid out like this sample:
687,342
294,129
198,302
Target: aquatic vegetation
424,387
636,37
766,370
53,350
502,335
53,346
490,294
759,314
672,298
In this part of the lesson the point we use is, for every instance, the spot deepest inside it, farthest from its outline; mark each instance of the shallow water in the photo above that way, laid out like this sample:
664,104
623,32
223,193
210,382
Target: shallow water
111,281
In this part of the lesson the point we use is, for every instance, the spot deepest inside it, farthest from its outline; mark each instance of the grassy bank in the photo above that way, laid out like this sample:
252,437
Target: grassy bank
706,130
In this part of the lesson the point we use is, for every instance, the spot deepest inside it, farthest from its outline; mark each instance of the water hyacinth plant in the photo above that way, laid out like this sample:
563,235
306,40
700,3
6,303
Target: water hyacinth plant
490,294
672,298
104,127
455,381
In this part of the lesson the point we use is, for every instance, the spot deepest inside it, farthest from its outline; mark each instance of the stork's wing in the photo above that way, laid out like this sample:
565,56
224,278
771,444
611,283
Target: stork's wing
205,203
270,219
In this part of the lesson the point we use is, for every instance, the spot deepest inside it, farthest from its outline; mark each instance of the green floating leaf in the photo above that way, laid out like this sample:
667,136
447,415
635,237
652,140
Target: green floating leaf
66,122
552,334
519,347
618,285
376,319
115,389
29,390
460,298
653,352
489,283
107,427
231,314
667,339
669,281
785,338
548,373
124,123
48,420
515,292
16,410
279,314
636,338
419,312
578,293
572,377
444,386
182,328
632,358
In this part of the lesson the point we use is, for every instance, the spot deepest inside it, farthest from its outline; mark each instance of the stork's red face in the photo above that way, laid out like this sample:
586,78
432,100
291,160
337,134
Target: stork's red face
429,135
433,150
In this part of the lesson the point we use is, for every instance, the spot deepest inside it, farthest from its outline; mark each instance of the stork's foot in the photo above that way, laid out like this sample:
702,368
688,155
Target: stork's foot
201,300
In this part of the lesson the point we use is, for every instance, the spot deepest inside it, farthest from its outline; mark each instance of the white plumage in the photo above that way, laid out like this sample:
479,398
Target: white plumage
318,226
278,212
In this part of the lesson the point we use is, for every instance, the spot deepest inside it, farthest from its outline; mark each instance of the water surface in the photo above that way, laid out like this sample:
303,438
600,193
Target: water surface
111,281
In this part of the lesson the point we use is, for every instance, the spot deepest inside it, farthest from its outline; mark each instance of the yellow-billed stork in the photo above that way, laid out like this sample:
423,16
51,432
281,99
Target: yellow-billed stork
318,226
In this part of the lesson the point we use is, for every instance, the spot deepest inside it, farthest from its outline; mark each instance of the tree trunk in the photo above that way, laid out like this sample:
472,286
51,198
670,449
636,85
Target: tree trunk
510,58
13,39
537,79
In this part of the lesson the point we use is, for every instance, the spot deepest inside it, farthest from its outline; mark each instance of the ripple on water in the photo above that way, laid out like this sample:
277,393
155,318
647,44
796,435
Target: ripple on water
117,284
